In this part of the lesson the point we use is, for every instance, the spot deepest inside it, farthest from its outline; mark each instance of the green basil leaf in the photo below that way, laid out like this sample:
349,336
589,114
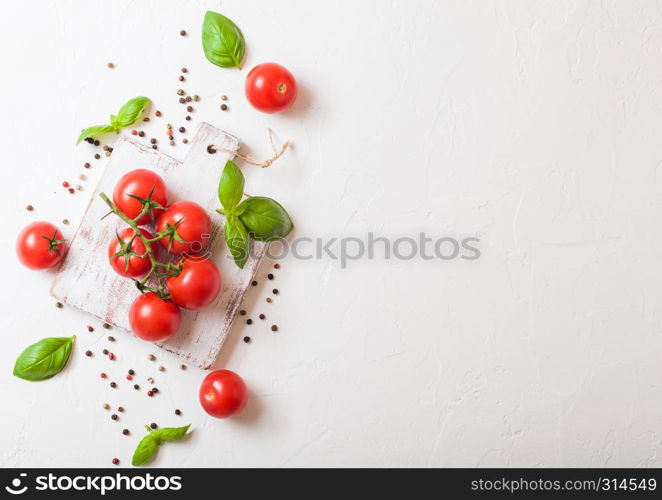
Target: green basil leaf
44,359
222,41
145,450
265,219
94,131
236,238
231,186
130,112
167,434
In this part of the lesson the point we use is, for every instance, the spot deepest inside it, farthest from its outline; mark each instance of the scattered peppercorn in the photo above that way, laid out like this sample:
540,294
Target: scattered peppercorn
150,380
106,406
224,107
58,305
254,283
269,300
188,118
247,339
224,98
87,165
96,143
97,156
65,221
270,276
189,98
90,328
182,100
133,132
196,97
180,92
111,338
153,140
275,291
65,184
71,190
116,461
158,113
277,265
146,119
182,366
113,385
105,351
182,129
182,33
125,432
155,390
178,411
29,208
131,372
120,409
153,425
154,146
106,326
262,316
242,312
189,108
172,143
211,149
88,353
110,65
185,140
103,375
141,133
274,328
181,78
114,416
79,187
150,393
161,368
136,387
129,377
249,321
151,357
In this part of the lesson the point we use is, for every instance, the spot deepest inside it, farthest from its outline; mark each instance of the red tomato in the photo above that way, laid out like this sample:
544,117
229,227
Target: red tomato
223,393
270,88
40,245
136,266
193,225
140,183
154,319
197,285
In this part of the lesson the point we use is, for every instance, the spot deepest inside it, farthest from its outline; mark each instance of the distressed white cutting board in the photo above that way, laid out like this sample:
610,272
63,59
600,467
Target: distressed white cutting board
85,279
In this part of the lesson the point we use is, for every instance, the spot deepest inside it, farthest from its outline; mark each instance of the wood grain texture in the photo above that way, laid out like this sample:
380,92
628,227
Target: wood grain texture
85,279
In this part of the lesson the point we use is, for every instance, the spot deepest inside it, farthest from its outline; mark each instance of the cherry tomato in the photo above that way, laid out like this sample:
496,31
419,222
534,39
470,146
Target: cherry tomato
270,88
197,285
140,183
191,223
153,318
40,245
223,393
136,266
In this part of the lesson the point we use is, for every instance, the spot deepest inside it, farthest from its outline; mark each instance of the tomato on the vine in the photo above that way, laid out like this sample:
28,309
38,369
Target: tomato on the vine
138,263
40,245
192,226
270,88
197,285
136,186
223,393
154,319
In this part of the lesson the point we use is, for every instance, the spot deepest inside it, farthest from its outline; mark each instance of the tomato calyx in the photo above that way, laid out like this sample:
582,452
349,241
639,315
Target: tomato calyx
171,233
54,243
148,205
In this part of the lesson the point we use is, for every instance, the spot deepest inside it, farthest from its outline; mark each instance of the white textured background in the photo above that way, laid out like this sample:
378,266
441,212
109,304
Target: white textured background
534,125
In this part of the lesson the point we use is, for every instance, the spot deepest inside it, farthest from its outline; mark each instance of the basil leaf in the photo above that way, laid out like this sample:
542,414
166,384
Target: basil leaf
130,112
231,186
167,434
93,131
236,238
265,219
145,450
44,359
222,41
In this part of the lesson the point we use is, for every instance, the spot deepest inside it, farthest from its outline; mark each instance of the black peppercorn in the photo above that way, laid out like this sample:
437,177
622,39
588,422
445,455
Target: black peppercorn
275,291
97,156
131,372
87,165
125,432
105,351
178,412
182,129
153,425
262,316
184,70
141,133
247,339
270,276
254,283
188,118
136,387
88,353
182,33
189,108
224,107
152,140
211,149
249,321
242,312
181,78
182,100
96,143
120,409
274,328
113,385
114,416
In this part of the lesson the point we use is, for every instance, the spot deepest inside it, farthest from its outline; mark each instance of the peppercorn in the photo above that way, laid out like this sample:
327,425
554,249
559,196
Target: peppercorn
65,221
158,113
188,118
249,321
181,78
274,328
120,409
150,380
154,146
146,119
269,300
136,387
224,107
125,432
151,357
196,97
82,177
114,416
106,406
185,140
161,368
141,133
155,390
275,291
150,393
88,353
182,100
153,425
113,385
224,98
182,33
133,132
182,366
262,316
89,140
277,265
189,98
182,129
90,328
116,461
189,108
153,140
106,326
180,92
178,411
29,208
111,338
58,305
110,65
211,149
87,165
172,143
242,312
105,351
131,372
129,377
71,190
247,339
270,276
96,143
254,283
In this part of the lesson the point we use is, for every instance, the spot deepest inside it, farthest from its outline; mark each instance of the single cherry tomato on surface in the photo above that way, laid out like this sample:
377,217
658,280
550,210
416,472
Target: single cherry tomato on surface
135,266
197,285
40,245
139,184
192,225
270,88
223,393
153,318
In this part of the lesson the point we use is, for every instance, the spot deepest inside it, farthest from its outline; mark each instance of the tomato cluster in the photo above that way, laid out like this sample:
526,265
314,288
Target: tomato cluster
165,259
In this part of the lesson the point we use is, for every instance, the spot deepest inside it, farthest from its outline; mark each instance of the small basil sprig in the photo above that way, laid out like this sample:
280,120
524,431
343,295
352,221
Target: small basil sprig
45,359
259,218
127,115
149,445
222,41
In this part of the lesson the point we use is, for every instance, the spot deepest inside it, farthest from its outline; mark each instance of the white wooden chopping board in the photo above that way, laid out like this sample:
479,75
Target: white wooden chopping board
85,279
